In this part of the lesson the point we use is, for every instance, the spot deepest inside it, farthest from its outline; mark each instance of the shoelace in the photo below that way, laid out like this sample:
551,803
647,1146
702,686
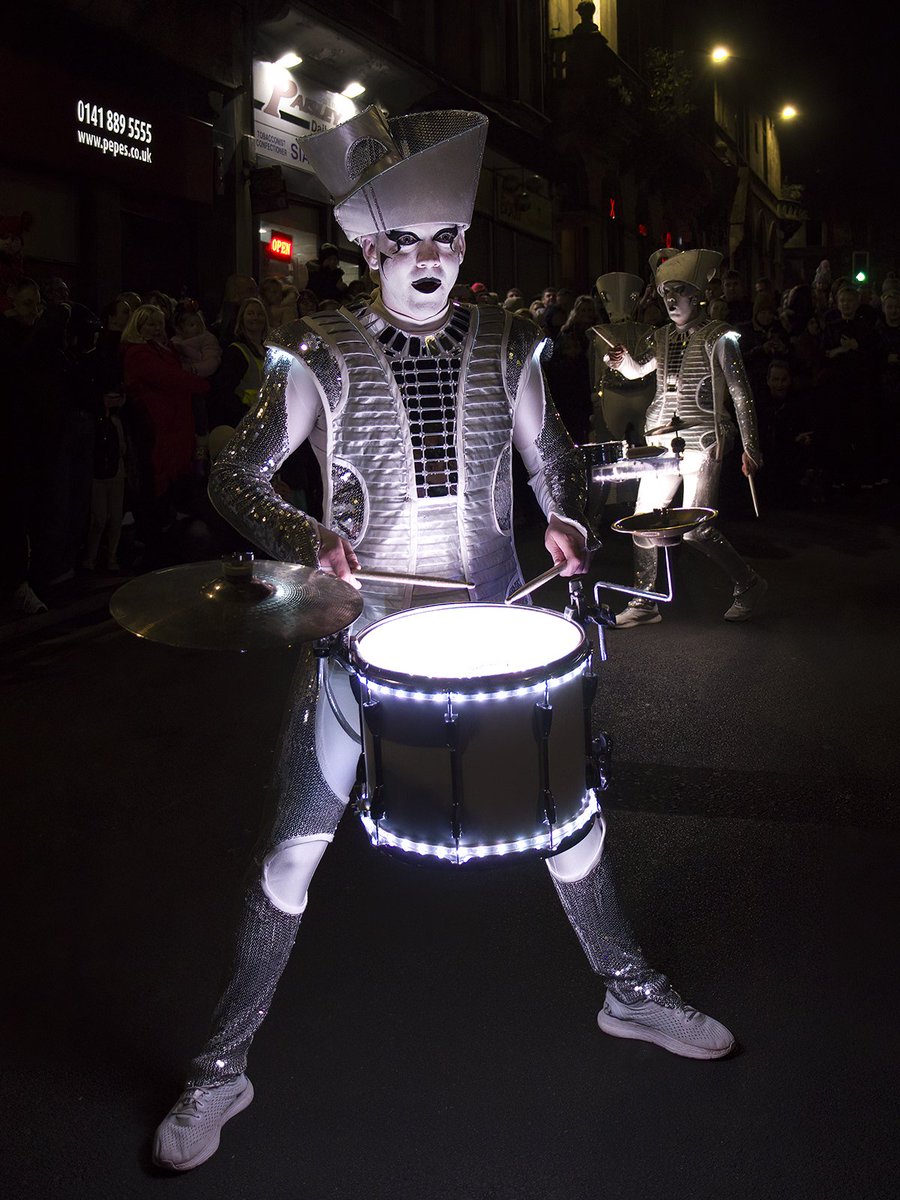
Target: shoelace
192,1104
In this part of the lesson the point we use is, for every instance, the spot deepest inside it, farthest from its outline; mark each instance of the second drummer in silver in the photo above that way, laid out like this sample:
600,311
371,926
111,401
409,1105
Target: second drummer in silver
698,369
413,405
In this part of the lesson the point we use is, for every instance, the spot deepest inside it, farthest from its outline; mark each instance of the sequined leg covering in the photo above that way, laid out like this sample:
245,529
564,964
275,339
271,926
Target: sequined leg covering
711,542
645,565
702,490
265,938
593,910
305,805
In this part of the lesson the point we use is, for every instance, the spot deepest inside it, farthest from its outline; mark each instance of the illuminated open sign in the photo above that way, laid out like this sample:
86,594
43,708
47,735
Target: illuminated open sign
281,246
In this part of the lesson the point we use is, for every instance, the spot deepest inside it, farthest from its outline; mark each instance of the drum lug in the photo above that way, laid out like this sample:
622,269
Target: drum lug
359,793
598,763
373,716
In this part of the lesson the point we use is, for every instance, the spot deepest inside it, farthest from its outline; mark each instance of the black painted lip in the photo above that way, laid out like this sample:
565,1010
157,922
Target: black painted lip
427,285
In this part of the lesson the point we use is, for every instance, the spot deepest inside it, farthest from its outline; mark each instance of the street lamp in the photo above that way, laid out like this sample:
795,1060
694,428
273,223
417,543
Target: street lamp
788,113
720,54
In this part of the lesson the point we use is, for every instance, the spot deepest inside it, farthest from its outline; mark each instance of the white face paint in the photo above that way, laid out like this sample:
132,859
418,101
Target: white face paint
682,303
417,268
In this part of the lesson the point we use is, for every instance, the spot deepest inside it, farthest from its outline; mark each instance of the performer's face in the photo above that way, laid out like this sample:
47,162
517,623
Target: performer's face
682,303
417,267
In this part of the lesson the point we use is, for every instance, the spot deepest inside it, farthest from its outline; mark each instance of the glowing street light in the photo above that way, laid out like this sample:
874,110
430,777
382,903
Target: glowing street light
720,54
788,112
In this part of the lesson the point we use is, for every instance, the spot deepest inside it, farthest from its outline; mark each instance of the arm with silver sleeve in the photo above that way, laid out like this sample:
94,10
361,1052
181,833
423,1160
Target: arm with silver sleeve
556,469
240,485
730,360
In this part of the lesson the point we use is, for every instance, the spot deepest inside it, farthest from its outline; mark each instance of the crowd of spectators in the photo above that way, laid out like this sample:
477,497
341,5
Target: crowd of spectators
114,417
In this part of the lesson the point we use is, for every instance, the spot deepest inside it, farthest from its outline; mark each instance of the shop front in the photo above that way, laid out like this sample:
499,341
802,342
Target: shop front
292,208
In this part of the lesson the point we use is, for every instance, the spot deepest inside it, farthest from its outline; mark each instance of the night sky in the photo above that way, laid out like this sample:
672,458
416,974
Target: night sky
838,64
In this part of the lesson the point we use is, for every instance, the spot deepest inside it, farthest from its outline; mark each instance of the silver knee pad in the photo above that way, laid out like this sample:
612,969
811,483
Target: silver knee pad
579,860
288,869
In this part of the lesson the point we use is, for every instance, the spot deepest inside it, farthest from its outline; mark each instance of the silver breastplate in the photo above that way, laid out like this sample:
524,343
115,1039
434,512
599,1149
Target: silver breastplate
426,370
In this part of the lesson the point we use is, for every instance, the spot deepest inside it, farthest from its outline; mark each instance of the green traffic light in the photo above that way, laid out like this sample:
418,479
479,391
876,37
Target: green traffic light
860,277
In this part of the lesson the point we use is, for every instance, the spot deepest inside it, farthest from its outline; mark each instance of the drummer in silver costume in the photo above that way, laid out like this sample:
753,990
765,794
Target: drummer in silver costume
619,403
412,405
698,369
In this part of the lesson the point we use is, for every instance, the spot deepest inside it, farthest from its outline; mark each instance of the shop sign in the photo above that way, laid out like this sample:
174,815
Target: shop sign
286,109
97,129
281,245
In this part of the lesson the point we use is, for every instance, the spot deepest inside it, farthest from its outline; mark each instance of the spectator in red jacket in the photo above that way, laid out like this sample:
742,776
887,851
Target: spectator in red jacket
160,392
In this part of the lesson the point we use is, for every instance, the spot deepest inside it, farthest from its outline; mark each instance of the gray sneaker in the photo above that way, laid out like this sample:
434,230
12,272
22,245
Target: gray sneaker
681,1030
745,601
637,612
189,1133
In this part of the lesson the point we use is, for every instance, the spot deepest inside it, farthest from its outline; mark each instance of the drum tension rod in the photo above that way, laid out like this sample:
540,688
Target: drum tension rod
374,717
451,735
543,711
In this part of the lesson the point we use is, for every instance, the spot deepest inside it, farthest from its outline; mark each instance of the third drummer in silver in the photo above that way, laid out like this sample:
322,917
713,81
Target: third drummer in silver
413,405
699,369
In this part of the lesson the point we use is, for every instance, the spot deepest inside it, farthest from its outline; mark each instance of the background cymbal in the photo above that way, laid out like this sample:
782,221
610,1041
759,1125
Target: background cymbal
664,526
245,605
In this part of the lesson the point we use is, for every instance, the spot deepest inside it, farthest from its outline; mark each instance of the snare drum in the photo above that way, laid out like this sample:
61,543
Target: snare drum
475,730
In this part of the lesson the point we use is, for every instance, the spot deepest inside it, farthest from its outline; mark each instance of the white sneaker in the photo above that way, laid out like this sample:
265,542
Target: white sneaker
637,612
25,601
745,601
681,1030
189,1133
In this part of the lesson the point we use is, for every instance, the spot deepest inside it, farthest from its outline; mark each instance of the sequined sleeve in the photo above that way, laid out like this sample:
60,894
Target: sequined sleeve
556,468
728,353
240,484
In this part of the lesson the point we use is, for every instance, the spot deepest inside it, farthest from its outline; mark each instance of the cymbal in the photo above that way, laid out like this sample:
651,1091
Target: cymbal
664,526
236,604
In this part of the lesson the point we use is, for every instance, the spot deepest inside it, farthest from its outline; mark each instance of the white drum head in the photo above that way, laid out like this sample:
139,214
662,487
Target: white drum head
468,641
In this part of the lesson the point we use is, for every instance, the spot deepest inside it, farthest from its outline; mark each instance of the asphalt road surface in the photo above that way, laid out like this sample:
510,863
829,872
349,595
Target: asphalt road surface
435,1034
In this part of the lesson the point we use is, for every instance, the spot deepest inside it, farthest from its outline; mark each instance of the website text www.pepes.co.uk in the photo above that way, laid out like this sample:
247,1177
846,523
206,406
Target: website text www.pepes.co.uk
111,121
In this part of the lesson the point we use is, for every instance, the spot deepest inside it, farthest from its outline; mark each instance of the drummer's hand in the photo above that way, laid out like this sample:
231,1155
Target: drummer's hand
336,556
748,466
615,357
566,545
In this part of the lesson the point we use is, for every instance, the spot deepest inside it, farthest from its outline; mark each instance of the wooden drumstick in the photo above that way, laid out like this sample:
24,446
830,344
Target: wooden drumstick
753,494
604,338
533,584
427,581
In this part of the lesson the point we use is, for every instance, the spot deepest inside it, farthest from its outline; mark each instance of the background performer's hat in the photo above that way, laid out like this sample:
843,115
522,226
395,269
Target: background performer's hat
695,267
620,293
417,169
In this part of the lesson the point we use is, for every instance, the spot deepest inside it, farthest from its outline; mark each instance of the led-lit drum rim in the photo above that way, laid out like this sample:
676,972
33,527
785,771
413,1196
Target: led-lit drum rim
509,683
544,842
561,665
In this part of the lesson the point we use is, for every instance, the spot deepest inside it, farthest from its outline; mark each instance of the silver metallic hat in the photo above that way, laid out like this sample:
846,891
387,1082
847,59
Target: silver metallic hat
417,169
620,293
695,267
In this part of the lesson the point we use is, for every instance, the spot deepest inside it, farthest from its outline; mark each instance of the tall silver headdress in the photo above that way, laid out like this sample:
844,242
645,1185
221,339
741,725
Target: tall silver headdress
620,293
695,267
417,169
